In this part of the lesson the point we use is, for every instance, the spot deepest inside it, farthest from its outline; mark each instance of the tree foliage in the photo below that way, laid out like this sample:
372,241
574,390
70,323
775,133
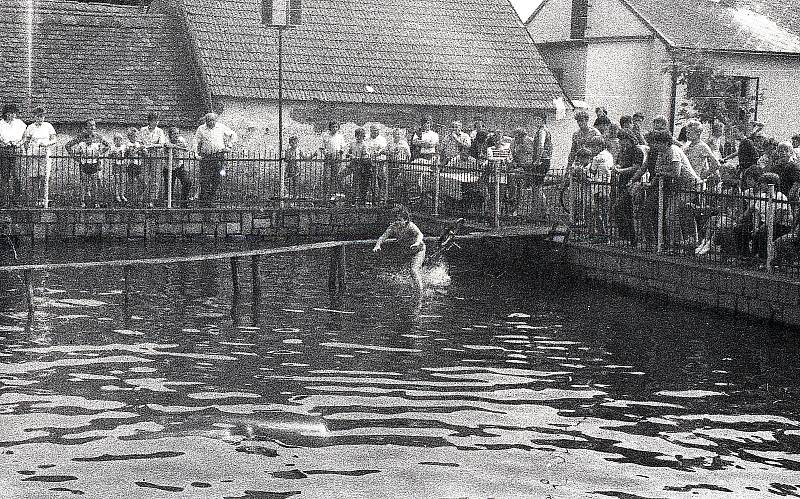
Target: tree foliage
710,93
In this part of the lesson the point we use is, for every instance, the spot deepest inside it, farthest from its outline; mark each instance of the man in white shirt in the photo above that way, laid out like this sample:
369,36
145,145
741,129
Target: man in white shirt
12,130
333,146
153,140
377,146
213,141
425,140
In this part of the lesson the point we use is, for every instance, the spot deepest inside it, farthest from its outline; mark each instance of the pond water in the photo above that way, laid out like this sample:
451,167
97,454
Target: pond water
490,385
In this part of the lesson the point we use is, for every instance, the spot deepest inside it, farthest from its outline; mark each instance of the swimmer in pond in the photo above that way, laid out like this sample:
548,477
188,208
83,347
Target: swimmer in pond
408,236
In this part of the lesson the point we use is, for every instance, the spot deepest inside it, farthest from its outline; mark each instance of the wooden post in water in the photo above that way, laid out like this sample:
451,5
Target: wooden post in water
126,273
254,261
337,272
256,307
28,291
235,274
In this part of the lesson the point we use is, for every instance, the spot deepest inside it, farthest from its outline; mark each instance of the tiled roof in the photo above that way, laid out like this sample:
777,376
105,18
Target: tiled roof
731,25
417,52
112,63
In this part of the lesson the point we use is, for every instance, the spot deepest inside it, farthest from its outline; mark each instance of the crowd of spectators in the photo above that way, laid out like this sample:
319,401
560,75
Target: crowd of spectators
356,168
714,186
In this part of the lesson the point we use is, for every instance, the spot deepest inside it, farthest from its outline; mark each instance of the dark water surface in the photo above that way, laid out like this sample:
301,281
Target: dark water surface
491,386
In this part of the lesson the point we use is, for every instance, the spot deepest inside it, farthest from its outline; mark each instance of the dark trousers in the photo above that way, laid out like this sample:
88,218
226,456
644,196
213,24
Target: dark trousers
8,176
362,177
210,168
179,174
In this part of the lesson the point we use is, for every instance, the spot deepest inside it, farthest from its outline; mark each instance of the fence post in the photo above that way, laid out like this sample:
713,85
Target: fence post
496,211
385,193
281,178
770,226
436,187
170,159
571,199
660,226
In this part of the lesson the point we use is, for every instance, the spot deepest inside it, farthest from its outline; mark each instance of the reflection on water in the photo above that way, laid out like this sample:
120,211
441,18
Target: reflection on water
485,387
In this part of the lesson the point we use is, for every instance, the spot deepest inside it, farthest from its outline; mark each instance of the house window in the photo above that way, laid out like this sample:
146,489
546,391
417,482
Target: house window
734,97
580,15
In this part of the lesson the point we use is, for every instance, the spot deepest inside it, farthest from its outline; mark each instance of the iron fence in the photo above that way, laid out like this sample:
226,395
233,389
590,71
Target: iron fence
756,229
490,191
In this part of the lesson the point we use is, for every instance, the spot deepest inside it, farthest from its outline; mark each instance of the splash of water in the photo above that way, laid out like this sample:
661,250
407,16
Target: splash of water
437,275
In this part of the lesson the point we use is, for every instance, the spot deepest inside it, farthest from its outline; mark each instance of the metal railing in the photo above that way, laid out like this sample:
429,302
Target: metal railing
757,229
488,191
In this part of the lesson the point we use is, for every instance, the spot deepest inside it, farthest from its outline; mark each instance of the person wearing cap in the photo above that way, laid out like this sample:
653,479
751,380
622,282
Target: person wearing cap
454,142
582,135
38,138
333,147
12,129
213,141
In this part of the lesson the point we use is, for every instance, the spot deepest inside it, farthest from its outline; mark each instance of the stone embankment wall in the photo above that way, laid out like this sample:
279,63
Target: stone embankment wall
757,294
120,224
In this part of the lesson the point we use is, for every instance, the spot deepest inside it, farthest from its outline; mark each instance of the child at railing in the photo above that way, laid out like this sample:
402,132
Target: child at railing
134,153
599,177
116,156
87,149
578,181
178,147
293,157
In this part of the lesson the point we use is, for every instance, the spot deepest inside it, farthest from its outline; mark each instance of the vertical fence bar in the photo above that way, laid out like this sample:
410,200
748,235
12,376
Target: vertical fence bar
496,200
170,159
660,225
571,202
385,190
770,226
436,187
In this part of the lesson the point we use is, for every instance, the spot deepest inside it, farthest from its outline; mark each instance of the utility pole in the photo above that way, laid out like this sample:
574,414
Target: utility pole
280,14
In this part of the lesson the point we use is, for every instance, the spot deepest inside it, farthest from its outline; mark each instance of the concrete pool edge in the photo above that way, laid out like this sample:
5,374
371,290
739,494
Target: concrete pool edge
40,225
756,294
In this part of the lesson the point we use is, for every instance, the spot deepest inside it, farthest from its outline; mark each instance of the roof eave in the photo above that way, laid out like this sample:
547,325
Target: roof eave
536,12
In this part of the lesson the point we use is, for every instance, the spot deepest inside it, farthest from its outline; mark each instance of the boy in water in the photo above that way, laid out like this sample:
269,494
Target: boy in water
407,235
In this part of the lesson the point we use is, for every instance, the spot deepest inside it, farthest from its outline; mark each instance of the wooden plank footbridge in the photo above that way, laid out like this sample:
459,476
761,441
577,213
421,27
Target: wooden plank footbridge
337,271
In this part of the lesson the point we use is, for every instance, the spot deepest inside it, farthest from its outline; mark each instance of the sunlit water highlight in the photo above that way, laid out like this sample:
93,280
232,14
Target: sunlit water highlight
484,387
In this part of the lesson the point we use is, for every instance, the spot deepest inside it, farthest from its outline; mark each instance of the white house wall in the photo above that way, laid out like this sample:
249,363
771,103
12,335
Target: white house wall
570,59
618,76
552,22
610,18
